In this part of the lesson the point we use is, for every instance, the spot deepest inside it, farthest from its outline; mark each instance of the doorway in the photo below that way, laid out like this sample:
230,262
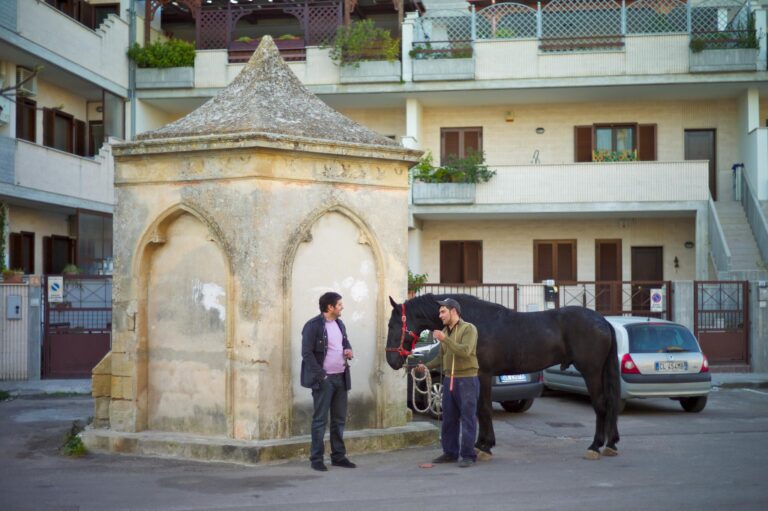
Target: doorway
608,269
647,274
700,145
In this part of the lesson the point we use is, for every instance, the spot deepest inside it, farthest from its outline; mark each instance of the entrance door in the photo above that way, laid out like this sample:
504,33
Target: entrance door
647,274
700,145
608,269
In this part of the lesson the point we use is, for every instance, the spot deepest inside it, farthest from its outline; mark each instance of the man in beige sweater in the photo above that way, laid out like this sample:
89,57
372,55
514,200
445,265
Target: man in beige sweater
461,388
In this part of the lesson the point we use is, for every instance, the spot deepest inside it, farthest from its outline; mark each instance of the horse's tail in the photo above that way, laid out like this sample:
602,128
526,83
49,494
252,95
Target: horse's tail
612,388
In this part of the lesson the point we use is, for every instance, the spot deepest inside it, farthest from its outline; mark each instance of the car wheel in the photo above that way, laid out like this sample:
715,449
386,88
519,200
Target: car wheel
518,406
436,400
693,404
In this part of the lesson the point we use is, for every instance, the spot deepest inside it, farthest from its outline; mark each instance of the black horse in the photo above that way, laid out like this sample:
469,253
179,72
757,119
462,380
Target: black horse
510,342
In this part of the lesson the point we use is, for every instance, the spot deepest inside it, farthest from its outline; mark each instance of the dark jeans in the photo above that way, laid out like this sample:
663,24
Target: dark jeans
460,416
331,396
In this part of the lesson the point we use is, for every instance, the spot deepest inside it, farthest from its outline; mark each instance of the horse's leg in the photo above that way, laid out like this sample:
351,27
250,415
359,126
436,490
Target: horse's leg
594,381
485,438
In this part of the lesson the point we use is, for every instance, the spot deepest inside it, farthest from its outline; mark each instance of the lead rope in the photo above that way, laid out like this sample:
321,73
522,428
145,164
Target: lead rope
426,377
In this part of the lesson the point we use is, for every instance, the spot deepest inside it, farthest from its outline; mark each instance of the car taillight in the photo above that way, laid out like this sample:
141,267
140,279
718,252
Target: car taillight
704,364
628,365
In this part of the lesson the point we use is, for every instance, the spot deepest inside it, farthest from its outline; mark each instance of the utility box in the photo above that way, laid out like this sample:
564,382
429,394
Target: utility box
550,294
13,307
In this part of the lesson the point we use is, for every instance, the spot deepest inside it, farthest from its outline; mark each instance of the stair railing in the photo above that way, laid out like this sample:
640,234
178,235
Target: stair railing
721,254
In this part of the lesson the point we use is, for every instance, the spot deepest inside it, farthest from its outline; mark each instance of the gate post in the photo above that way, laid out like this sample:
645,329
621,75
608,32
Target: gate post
683,303
35,334
758,326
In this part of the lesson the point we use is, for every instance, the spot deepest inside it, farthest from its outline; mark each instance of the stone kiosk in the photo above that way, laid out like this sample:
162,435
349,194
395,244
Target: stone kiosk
230,223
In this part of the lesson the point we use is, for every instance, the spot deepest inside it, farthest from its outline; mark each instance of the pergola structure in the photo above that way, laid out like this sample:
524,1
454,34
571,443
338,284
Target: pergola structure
215,19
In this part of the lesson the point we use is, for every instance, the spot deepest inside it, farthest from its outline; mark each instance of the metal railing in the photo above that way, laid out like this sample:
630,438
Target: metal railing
755,217
721,254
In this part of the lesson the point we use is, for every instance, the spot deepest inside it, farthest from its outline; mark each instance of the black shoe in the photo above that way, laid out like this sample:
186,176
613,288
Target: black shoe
466,462
444,458
319,466
344,462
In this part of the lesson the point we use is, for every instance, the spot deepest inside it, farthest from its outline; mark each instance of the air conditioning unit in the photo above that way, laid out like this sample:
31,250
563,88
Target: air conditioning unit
28,88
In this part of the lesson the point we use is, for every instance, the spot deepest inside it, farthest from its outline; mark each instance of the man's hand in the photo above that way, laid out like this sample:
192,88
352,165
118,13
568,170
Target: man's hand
439,335
348,354
420,368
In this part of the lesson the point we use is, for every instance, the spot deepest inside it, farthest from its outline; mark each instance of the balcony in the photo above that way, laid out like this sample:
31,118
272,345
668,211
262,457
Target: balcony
66,176
101,51
599,186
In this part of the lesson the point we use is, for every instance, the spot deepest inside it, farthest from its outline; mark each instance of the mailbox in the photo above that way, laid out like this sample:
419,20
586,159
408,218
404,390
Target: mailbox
13,307
550,294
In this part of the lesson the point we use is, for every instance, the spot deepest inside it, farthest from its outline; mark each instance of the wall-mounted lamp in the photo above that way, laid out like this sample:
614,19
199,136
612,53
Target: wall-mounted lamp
688,244
677,263
100,109
539,131
509,116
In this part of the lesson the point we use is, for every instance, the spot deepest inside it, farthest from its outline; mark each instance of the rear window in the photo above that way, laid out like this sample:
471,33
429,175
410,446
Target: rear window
656,338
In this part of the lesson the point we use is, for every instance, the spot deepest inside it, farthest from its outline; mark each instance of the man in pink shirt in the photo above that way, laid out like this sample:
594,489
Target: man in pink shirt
325,350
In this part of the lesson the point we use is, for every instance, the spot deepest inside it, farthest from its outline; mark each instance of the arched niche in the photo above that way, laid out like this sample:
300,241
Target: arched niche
335,251
184,325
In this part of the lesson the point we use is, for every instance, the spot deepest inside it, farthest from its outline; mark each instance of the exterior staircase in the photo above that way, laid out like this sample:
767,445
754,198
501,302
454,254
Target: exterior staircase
746,262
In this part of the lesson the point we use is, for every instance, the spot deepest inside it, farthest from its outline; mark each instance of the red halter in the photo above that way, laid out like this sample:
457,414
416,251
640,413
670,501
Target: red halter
414,339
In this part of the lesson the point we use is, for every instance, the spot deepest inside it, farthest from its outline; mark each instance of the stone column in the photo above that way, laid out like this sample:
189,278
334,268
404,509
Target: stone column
413,114
406,42
702,241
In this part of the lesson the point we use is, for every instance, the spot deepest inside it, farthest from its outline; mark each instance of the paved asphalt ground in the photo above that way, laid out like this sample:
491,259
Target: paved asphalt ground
669,460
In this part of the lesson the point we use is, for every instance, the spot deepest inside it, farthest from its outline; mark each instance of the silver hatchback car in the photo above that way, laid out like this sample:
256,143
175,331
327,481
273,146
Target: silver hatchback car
656,358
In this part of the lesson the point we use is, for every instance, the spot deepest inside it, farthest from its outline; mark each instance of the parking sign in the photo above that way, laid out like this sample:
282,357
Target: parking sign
657,300
55,289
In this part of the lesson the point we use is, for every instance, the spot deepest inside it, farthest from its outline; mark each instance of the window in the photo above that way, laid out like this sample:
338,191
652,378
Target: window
95,138
458,142
615,137
25,119
461,262
554,259
22,251
94,242
58,252
63,132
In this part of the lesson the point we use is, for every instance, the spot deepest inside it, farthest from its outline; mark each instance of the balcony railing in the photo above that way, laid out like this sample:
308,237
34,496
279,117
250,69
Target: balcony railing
49,170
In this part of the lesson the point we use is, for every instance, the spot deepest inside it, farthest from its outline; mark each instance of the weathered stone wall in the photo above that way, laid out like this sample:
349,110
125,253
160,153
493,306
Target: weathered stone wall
220,257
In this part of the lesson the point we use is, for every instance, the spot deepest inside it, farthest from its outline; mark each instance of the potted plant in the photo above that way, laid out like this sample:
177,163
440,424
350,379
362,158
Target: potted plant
70,270
451,183
415,282
447,60
736,49
13,276
164,64
365,53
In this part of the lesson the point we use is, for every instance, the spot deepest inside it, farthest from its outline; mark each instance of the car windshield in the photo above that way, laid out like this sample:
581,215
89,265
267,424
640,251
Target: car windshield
660,338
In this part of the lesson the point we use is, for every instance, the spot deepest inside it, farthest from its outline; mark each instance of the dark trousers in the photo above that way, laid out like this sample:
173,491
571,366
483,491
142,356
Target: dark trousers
460,416
330,397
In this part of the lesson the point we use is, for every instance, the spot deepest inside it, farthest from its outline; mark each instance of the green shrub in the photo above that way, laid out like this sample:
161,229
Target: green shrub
73,444
171,53
416,281
362,41
470,169
4,395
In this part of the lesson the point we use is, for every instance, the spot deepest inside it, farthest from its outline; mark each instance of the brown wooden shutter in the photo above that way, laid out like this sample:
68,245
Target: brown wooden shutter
583,143
646,144
14,250
47,255
543,260
450,262
566,262
472,142
48,126
449,145
473,262
80,141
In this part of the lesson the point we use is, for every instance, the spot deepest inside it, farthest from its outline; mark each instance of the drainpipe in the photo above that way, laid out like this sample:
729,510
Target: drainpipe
132,66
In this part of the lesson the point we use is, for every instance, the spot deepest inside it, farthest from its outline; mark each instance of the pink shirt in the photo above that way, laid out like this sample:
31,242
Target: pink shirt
334,359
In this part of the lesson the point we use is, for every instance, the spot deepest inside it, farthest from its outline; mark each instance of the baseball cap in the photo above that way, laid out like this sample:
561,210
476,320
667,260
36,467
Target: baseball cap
451,304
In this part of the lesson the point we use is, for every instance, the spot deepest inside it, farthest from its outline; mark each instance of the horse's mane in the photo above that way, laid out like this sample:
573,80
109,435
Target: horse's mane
426,304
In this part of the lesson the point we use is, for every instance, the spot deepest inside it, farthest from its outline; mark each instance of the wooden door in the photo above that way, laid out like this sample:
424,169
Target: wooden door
608,269
648,270
700,145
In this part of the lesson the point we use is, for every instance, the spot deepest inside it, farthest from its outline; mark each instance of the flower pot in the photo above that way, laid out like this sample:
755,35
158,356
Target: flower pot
13,278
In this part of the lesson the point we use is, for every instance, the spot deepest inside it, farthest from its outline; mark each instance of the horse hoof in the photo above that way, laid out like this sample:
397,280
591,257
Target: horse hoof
609,451
483,455
592,455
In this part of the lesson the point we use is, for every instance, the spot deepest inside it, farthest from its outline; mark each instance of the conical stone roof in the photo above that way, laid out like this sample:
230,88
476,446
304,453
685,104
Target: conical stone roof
266,97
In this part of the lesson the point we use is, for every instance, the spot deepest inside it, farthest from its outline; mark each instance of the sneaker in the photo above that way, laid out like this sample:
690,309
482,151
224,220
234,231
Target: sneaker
445,458
466,462
344,462
319,466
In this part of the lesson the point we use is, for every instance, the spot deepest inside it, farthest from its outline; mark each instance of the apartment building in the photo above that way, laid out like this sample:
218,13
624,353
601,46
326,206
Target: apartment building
550,92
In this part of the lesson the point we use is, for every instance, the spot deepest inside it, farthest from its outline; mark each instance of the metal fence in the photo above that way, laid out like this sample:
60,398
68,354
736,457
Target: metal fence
573,25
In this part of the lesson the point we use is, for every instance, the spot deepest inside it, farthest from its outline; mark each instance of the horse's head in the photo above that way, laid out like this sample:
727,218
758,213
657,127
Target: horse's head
400,340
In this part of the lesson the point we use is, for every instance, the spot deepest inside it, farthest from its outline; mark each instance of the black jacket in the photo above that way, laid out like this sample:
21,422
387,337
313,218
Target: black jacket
314,347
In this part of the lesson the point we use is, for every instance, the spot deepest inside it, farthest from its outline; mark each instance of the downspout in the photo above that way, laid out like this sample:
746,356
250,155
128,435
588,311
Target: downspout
132,66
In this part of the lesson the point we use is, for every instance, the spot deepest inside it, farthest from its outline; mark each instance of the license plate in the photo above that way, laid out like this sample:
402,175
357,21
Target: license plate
512,378
672,365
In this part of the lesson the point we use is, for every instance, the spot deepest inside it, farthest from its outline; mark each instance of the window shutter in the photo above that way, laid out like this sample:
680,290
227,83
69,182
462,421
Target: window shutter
646,147
14,250
450,145
583,143
47,255
48,127
472,142
473,262
543,261
566,267
450,262
80,142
